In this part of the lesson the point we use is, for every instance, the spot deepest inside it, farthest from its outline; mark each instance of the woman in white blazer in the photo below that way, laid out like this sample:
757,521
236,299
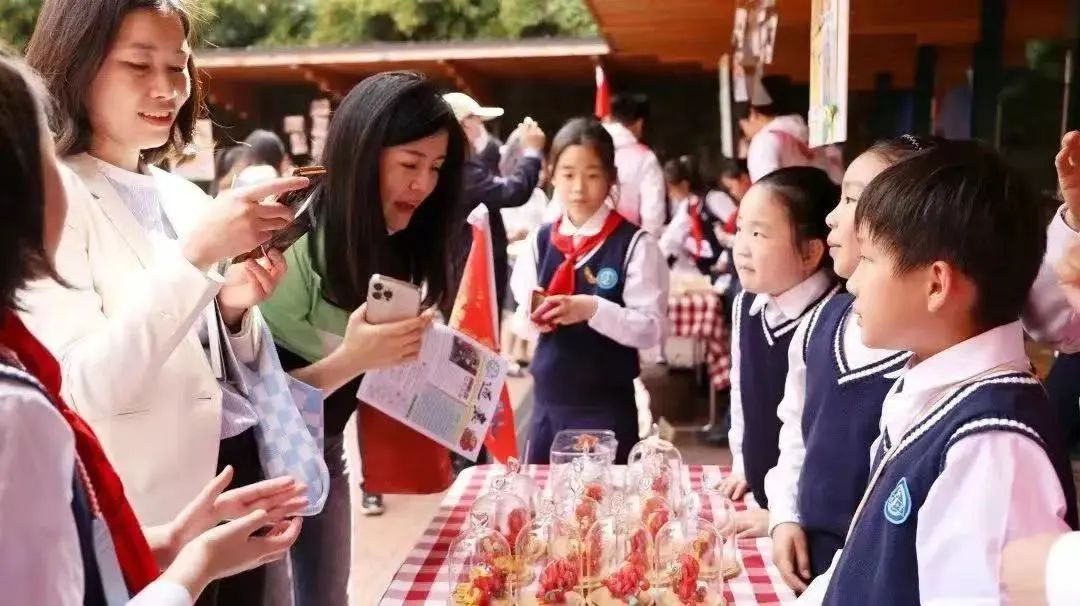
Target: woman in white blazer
146,328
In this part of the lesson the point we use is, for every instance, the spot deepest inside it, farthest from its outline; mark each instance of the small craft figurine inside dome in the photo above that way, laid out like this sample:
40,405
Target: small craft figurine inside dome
689,553
587,455
482,571
504,510
660,463
619,551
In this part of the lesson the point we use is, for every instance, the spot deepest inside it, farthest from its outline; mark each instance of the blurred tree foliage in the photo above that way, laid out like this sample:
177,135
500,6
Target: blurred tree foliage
243,23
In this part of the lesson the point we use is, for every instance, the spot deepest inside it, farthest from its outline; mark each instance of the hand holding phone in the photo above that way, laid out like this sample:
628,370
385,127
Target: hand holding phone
299,203
391,300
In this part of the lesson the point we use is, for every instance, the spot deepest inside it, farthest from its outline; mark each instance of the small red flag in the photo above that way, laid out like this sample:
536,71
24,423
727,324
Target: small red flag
602,107
475,313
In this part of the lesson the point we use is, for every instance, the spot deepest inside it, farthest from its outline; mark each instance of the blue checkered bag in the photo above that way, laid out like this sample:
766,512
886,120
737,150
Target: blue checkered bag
290,428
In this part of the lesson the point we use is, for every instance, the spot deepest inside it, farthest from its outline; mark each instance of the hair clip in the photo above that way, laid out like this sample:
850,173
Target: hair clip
913,141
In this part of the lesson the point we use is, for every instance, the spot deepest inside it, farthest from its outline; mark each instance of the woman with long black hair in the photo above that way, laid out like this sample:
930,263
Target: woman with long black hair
389,204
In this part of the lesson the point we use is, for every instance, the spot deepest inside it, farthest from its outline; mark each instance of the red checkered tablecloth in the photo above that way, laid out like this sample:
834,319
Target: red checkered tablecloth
700,315
423,577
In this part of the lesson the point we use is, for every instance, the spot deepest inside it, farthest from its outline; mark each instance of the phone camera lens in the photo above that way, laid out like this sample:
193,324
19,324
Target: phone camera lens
378,286
377,295
389,294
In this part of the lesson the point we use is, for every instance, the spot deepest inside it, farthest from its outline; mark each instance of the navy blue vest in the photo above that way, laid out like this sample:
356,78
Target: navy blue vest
93,590
708,222
763,366
575,365
878,564
839,424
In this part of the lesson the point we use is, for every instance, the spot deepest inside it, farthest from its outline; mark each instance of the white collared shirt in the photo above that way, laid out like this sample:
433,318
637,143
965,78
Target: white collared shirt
640,324
643,195
40,561
782,481
995,487
782,308
1048,317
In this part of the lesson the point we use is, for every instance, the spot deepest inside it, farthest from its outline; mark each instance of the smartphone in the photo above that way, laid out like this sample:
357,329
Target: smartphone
391,300
299,201
537,297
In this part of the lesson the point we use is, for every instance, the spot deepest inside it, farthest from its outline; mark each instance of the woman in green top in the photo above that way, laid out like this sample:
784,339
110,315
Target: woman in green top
389,204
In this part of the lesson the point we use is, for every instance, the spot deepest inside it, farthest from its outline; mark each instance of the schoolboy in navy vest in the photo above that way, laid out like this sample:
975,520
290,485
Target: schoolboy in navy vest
606,295
780,256
969,456
832,400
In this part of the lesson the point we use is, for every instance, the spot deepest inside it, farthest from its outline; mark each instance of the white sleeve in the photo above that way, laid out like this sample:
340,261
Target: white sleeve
244,344
720,205
40,561
995,487
653,192
161,593
642,322
1048,316
110,358
522,282
1062,582
763,155
735,432
782,481
676,232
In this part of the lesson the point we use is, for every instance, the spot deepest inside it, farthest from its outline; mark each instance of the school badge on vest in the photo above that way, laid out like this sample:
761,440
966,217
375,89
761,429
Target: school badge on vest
607,278
898,505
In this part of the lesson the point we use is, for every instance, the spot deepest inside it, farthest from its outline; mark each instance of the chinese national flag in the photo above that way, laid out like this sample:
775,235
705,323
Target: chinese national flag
602,107
476,314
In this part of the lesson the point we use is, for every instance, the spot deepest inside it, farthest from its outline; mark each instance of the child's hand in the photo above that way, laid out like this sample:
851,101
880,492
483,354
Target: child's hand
1067,163
1023,569
752,524
562,310
792,555
1068,271
734,487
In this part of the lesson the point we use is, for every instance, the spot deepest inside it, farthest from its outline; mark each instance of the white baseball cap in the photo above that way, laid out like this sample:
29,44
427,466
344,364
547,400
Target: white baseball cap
465,106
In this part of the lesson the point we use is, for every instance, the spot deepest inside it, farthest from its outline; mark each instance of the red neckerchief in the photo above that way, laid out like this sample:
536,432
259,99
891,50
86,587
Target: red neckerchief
562,281
133,552
800,146
697,229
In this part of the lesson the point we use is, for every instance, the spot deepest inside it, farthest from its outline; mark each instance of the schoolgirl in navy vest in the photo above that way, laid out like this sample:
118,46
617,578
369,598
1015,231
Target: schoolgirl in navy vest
832,400
969,456
70,536
782,263
606,294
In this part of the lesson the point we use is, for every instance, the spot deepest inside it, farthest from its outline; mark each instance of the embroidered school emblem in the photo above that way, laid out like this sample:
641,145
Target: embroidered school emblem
607,278
589,277
898,505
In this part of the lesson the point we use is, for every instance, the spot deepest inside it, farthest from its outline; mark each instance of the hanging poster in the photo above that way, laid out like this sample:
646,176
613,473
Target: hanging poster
828,71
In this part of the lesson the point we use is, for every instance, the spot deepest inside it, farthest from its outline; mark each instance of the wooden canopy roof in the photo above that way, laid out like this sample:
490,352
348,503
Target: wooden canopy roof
650,36
885,33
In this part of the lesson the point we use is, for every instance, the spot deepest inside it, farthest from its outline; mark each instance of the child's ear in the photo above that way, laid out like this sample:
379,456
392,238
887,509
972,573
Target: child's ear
813,252
946,287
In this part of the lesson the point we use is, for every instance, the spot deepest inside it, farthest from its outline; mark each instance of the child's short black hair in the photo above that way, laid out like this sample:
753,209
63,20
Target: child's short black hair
959,202
627,108
683,168
809,196
733,168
